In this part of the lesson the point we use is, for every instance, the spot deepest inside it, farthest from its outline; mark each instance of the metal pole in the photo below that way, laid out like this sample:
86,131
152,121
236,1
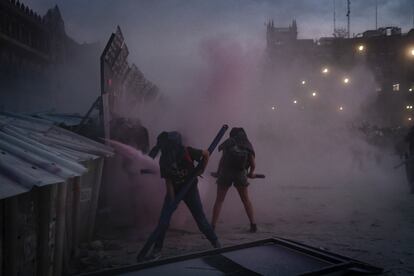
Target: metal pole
348,14
191,180
334,16
376,14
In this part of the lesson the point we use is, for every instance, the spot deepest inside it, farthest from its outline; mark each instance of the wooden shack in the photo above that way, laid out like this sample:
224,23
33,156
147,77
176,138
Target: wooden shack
49,187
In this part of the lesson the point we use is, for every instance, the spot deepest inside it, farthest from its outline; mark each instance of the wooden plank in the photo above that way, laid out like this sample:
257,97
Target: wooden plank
86,187
76,215
10,236
95,196
60,228
45,219
68,244
1,236
69,213
27,232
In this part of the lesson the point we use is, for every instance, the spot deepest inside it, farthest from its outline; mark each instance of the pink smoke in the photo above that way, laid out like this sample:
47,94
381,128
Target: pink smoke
230,66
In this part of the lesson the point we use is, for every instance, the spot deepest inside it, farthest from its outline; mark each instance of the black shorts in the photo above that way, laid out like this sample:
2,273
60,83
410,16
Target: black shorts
236,178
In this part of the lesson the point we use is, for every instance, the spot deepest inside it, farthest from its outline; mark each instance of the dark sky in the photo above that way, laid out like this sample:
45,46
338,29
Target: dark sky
89,20
155,29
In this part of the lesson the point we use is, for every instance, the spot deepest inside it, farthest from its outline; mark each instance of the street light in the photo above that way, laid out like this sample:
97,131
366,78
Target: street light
273,107
341,108
325,70
410,52
314,94
361,48
346,80
295,101
303,82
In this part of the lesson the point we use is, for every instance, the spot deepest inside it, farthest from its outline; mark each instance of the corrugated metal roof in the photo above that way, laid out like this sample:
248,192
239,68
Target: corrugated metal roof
34,152
66,119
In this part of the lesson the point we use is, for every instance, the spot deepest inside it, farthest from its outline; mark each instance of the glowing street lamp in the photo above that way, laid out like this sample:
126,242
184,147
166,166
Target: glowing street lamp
346,80
273,107
361,48
410,52
410,90
303,82
410,119
341,108
295,101
314,94
325,70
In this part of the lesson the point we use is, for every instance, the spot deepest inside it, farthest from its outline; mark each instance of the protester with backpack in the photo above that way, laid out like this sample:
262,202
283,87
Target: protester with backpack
236,165
176,163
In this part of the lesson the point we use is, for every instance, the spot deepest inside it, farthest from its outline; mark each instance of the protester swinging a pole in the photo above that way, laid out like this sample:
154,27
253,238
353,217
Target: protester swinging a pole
176,165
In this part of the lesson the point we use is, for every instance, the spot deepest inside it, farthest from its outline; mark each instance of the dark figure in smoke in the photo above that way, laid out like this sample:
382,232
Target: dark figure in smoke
236,165
176,162
409,162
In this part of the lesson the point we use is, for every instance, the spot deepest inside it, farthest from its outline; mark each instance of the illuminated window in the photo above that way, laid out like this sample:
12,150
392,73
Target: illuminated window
396,87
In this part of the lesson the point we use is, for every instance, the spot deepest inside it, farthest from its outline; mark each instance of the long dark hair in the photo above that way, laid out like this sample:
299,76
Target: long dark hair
239,137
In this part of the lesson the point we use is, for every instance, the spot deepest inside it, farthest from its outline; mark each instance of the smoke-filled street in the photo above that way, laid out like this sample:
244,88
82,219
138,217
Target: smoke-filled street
369,220
206,137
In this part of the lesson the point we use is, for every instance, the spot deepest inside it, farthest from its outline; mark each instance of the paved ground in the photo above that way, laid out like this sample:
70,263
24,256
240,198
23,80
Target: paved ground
370,219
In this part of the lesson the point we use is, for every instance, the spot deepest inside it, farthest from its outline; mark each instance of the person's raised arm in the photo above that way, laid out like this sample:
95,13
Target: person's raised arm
204,160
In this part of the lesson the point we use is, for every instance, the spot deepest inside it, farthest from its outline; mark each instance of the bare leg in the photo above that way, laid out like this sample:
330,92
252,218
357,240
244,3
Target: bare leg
244,196
221,195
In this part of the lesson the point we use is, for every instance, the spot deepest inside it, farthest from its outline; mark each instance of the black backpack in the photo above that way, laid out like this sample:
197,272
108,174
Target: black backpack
236,158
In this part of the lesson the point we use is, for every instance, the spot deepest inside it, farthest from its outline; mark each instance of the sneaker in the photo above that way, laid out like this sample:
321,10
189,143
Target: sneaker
253,228
155,255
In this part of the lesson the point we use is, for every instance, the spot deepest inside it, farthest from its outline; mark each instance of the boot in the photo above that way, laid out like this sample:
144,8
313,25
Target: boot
216,244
